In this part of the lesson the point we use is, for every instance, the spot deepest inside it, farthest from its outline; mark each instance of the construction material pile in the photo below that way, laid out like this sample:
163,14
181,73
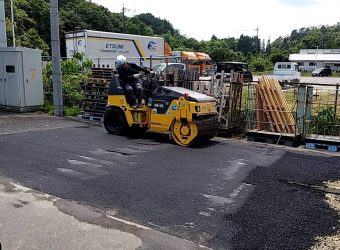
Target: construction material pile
229,101
96,90
272,107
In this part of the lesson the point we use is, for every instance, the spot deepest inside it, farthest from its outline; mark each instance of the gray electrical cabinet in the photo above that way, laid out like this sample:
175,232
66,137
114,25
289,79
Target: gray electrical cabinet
21,81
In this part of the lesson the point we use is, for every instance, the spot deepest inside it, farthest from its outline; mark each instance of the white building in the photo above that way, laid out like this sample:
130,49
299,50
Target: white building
310,59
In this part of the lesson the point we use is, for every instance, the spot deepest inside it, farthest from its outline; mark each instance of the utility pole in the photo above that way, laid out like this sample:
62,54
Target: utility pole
123,12
56,71
12,21
316,56
3,35
257,39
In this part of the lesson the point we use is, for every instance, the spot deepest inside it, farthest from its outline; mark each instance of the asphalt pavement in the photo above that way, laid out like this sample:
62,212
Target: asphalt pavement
225,195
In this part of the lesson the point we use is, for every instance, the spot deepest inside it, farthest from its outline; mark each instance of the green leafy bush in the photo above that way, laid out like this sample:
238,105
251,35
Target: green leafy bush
74,71
72,111
323,122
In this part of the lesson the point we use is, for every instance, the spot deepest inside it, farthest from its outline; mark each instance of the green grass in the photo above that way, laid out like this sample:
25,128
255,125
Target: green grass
48,107
71,111
68,111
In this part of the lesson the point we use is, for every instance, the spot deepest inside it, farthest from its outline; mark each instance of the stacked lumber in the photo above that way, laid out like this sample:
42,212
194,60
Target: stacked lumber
272,107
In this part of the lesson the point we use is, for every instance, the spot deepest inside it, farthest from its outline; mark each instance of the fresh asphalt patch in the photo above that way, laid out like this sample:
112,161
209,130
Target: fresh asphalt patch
279,215
225,195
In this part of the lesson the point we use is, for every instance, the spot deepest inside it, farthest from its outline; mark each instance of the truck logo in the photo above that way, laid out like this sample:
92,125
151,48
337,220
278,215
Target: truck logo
114,46
152,46
80,42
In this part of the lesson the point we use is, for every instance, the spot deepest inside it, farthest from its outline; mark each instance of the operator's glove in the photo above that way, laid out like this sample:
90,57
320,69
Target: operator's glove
136,76
151,72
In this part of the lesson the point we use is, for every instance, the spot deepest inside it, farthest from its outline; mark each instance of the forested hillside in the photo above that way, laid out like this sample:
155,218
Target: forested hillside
33,21
32,30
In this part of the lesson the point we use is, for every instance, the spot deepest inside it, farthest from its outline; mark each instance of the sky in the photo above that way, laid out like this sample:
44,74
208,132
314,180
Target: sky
231,18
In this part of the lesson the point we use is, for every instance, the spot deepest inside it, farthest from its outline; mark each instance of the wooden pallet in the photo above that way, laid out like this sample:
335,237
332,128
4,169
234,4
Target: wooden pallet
322,146
95,96
103,73
97,83
273,138
330,143
101,101
91,118
97,109
93,113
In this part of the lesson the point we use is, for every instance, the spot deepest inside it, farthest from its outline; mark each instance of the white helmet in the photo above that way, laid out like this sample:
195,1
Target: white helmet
121,60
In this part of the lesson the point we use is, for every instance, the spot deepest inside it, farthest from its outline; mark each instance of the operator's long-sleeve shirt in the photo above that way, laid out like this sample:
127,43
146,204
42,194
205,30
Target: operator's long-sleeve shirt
126,75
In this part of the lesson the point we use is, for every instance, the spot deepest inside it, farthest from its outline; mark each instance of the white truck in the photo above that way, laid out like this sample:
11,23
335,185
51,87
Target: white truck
104,47
286,72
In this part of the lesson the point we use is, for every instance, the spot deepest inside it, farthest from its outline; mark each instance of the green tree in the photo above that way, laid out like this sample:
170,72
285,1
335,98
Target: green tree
158,25
258,64
28,21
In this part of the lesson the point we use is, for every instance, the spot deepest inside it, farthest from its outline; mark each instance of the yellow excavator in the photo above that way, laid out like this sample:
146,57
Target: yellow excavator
189,117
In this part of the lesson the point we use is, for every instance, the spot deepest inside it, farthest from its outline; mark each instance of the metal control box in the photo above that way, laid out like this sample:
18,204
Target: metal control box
21,81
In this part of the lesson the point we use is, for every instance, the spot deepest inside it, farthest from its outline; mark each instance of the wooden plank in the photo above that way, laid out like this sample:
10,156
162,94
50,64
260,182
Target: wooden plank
274,106
290,116
283,109
277,103
267,112
271,107
280,92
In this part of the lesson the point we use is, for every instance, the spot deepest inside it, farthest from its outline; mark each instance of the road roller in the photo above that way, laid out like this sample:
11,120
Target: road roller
188,116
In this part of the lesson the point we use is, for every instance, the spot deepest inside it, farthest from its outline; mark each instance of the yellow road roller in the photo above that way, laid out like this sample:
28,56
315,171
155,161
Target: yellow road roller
190,117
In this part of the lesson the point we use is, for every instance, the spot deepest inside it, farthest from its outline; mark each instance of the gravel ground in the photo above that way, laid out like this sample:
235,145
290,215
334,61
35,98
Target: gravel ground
333,200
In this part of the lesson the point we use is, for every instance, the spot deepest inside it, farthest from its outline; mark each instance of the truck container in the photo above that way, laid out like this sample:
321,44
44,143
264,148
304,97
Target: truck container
186,57
205,63
104,47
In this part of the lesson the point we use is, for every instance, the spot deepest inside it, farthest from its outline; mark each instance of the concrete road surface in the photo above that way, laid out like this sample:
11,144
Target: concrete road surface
224,195
319,83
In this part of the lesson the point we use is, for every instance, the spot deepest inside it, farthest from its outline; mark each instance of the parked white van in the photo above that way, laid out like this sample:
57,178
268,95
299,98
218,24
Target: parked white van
287,72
